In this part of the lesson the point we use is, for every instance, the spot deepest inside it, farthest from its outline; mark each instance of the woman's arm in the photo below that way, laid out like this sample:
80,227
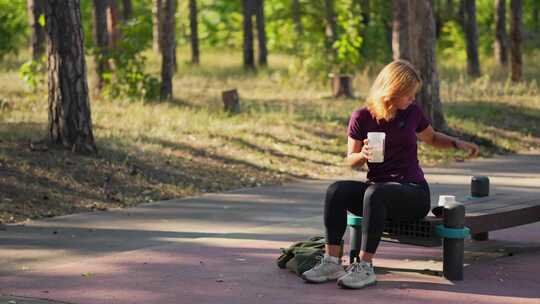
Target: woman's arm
357,152
440,140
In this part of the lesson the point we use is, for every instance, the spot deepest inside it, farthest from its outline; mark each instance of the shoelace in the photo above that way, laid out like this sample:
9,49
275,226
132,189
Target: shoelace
354,267
358,267
319,262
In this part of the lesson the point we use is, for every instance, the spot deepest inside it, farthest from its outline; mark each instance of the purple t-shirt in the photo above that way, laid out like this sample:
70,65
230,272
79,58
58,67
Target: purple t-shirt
400,148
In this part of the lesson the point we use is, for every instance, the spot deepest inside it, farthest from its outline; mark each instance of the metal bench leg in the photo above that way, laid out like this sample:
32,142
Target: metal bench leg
356,243
453,249
480,188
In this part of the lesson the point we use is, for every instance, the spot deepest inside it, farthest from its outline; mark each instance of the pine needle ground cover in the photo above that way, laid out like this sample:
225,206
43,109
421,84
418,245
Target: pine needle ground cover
289,127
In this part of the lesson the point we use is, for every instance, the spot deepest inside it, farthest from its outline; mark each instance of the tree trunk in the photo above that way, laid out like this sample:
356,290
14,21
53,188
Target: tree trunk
36,8
101,39
500,46
70,122
422,37
365,12
444,12
249,57
386,20
112,24
362,8
330,28
449,14
127,9
536,19
438,14
168,48
296,11
173,32
401,45
515,38
261,33
194,31
157,22
471,37
461,13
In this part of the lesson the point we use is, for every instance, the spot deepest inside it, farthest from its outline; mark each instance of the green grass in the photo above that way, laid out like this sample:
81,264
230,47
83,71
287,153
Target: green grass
288,127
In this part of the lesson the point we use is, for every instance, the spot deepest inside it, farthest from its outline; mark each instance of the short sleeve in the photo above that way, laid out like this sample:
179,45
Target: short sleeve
422,122
355,129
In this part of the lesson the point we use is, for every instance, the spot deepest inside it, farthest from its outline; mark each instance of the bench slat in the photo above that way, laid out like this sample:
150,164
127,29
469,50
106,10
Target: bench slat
511,217
484,214
500,208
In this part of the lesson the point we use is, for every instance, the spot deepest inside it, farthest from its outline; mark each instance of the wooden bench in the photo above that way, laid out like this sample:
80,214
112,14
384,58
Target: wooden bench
480,215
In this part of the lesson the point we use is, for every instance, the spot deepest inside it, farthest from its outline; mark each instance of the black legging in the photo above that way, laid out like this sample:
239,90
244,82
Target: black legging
374,202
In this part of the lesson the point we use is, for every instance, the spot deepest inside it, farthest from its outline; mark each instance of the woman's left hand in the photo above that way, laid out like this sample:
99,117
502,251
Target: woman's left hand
471,147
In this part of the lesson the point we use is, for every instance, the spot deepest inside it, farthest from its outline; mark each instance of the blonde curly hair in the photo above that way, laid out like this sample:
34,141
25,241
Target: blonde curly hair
395,80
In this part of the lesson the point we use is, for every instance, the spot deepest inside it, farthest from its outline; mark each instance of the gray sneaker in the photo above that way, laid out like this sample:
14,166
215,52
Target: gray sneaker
359,275
328,268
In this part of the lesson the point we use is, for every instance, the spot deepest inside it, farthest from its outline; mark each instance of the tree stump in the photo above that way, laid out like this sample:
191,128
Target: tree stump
342,86
231,101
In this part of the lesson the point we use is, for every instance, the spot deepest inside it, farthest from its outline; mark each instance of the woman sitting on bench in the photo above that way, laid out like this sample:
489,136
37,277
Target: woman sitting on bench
395,188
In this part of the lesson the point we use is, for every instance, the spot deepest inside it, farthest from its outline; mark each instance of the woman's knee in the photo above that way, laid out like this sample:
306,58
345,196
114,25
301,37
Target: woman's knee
376,194
337,191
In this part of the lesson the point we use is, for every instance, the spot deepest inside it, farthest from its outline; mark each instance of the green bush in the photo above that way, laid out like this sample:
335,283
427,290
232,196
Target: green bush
317,58
33,73
220,23
451,43
13,26
128,78
347,47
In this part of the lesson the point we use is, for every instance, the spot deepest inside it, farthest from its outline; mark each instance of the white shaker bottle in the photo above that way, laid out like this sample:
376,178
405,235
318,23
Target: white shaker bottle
446,199
376,142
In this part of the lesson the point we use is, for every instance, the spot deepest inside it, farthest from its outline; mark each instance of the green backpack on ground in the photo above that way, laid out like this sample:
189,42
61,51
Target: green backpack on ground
302,256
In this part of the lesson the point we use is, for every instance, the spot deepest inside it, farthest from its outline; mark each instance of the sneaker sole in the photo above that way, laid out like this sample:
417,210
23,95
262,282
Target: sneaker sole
322,279
340,284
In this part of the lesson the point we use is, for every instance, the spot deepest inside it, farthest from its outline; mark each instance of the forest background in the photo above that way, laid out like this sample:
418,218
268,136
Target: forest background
153,144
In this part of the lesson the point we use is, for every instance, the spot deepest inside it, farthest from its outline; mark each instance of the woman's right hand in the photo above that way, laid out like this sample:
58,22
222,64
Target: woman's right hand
366,150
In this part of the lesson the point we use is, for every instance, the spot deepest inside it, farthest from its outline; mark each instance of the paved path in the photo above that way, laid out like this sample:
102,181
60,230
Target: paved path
221,248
